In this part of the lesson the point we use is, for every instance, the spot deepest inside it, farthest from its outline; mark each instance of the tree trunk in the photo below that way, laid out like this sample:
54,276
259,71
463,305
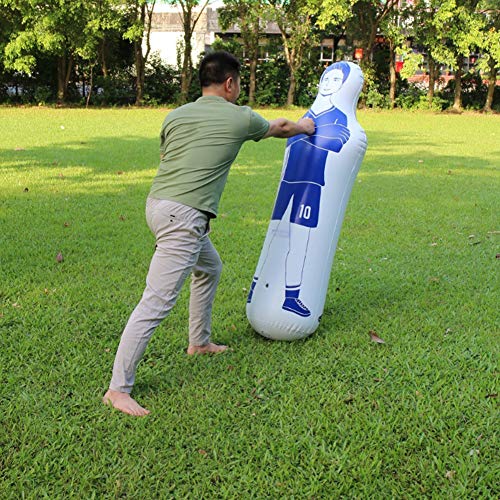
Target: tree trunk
392,74
491,85
457,100
186,72
432,81
64,67
91,83
139,71
186,60
104,62
61,75
253,80
140,62
291,89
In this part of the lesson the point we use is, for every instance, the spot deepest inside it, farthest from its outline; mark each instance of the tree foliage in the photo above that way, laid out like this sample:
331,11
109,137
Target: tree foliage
98,51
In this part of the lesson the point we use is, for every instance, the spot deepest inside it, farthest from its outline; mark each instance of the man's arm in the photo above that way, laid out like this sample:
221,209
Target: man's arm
283,128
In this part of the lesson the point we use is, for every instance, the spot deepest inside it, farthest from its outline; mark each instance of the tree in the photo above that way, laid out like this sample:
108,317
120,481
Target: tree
55,27
490,46
248,15
368,16
65,29
141,12
464,32
364,26
297,20
429,31
394,29
191,11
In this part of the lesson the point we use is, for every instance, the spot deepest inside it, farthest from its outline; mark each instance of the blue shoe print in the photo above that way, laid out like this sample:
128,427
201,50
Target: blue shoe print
296,306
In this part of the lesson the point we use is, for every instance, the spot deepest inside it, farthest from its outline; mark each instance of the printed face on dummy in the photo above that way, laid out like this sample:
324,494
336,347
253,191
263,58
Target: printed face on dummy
331,82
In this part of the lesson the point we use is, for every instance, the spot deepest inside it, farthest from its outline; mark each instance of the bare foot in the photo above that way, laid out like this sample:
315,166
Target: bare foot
123,402
206,349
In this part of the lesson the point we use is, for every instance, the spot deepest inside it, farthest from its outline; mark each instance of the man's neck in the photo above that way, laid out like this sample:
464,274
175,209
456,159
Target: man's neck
213,91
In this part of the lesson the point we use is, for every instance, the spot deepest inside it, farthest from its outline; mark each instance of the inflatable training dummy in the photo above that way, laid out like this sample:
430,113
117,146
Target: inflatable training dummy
289,288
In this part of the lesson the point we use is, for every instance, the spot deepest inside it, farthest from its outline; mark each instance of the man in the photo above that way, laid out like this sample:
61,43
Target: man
199,142
303,180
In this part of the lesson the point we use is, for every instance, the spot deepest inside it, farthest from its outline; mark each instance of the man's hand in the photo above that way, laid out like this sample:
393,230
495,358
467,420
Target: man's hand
307,125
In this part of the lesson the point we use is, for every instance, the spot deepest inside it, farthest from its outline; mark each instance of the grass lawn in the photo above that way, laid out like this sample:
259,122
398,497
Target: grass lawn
331,416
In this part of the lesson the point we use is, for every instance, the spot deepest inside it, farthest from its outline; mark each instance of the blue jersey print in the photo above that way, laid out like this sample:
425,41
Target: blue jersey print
307,156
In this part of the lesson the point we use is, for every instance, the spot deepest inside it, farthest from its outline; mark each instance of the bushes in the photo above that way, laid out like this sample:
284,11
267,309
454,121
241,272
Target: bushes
162,84
474,92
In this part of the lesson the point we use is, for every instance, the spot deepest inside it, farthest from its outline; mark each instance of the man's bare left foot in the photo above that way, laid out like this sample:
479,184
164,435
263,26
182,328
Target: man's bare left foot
123,402
206,349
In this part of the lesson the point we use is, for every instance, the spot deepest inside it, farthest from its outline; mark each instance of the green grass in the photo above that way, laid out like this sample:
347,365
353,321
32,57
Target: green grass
332,416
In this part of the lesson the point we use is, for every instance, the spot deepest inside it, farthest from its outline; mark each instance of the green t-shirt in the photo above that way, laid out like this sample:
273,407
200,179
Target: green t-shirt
199,142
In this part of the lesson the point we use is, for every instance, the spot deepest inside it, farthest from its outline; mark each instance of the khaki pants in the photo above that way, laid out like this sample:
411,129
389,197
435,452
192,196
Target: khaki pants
182,247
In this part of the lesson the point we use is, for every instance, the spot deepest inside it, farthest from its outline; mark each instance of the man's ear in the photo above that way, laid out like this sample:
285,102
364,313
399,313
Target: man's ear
228,84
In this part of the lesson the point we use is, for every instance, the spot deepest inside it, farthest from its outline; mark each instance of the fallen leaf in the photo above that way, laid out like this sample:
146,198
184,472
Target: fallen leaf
449,172
46,291
434,280
120,172
19,149
448,330
61,176
498,256
230,368
450,474
59,257
433,244
495,395
349,399
16,305
107,349
375,338
66,224
122,217
255,394
418,393
202,452
233,327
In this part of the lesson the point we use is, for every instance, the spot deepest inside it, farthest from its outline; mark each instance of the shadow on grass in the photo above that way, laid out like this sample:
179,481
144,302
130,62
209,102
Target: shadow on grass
105,155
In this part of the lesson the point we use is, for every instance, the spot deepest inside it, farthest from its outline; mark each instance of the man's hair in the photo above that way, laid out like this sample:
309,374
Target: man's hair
217,66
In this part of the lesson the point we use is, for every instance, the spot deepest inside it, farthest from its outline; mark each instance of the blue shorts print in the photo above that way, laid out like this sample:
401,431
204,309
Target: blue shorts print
305,208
